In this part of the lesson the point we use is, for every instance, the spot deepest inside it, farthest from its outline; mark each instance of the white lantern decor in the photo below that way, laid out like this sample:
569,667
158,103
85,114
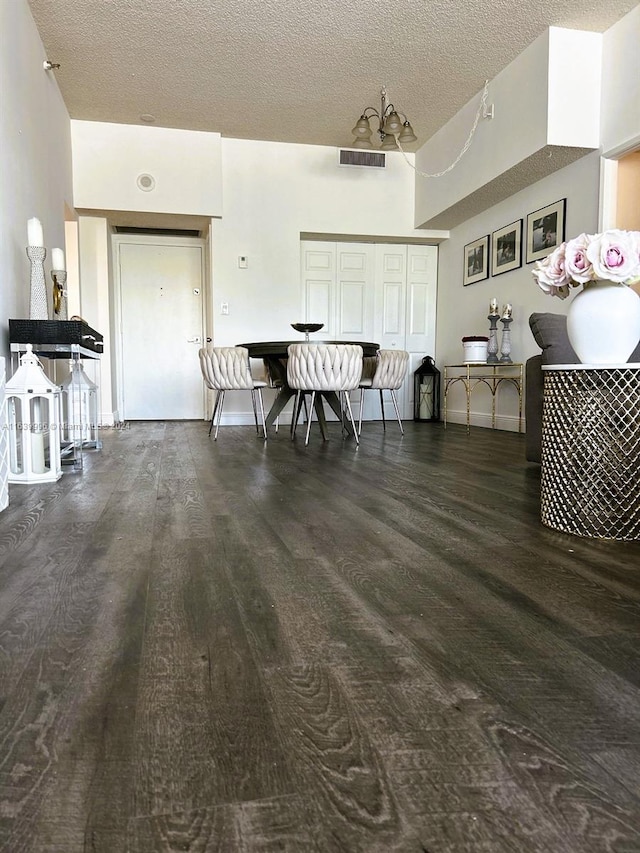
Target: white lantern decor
4,444
33,421
79,408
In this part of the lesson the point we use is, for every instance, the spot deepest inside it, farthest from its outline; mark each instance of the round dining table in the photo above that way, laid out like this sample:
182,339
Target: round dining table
275,354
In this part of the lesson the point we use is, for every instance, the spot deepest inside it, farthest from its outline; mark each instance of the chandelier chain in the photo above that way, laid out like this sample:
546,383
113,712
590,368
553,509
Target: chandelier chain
465,147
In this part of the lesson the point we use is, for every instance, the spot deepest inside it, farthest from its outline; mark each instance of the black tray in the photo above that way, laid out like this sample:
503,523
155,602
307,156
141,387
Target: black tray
55,332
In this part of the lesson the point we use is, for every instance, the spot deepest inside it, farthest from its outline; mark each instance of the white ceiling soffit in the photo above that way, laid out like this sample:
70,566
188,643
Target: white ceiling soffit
290,70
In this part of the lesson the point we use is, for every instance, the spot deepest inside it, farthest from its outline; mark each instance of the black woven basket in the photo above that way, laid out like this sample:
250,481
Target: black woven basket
55,332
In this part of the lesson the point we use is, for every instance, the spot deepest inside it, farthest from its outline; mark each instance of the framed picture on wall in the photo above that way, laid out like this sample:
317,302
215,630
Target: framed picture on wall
476,261
506,248
545,230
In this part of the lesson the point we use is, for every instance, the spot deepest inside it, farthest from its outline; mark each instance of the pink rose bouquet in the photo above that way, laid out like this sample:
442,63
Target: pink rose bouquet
611,256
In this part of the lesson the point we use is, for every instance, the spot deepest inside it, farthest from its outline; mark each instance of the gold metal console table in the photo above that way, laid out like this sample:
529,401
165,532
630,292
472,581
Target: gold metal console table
590,483
490,375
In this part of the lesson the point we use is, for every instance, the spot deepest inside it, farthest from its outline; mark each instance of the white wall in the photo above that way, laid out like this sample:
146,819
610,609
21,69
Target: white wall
518,129
272,194
573,88
463,310
548,95
621,86
36,157
95,300
109,158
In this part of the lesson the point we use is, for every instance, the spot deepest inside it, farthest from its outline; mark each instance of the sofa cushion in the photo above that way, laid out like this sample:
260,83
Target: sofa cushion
550,333
533,408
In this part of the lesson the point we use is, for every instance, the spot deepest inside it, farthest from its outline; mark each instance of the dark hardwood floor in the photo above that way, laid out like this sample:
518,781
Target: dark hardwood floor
230,646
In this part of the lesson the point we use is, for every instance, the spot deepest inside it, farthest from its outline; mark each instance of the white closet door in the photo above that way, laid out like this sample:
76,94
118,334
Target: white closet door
390,295
382,292
422,271
422,286
337,285
318,274
355,292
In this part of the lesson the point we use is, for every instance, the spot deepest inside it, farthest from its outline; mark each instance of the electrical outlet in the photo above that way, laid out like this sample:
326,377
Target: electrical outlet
243,262
224,308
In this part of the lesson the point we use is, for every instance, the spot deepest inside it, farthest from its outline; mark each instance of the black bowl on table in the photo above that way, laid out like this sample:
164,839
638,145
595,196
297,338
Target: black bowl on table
307,327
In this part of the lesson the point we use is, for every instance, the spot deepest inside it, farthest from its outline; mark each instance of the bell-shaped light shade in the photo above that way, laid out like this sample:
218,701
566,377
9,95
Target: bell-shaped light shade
407,134
389,142
361,142
392,123
362,129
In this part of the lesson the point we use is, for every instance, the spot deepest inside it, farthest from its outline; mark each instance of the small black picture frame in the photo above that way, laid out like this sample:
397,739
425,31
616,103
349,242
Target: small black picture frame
506,248
545,230
476,261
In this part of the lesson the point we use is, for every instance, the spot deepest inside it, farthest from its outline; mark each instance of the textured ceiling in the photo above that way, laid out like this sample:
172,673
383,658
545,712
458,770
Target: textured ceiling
290,70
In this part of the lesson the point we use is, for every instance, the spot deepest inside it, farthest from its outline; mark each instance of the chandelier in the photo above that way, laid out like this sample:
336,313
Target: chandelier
393,127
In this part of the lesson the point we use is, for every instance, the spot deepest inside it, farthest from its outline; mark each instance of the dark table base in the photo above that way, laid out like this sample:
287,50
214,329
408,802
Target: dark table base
274,355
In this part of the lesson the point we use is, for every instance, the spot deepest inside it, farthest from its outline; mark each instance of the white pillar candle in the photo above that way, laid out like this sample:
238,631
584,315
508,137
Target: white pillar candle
37,439
37,453
57,259
34,233
493,306
507,312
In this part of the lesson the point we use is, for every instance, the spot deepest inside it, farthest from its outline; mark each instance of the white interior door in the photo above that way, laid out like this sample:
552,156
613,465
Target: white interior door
161,323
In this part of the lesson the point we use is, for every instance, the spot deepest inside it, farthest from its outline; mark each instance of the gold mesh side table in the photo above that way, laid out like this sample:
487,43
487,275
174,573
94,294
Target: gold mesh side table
590,483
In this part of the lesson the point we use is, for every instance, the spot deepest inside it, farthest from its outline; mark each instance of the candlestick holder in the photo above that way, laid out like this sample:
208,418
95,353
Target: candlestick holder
492,346
38,309
505,347
59,294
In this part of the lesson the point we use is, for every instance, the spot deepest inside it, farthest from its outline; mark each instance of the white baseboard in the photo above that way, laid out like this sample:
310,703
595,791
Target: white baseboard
482,419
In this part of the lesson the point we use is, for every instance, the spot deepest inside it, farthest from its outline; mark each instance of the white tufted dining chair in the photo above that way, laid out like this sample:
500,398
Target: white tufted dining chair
228,369
391,369
313,368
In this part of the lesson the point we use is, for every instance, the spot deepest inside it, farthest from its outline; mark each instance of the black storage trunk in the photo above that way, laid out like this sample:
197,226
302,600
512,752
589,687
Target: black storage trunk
55,332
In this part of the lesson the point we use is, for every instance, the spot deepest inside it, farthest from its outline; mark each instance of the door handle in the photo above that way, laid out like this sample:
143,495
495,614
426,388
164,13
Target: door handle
209,340
196,340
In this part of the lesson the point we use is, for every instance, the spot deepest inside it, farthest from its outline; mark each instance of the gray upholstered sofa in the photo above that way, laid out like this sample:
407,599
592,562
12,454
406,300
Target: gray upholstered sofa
550,333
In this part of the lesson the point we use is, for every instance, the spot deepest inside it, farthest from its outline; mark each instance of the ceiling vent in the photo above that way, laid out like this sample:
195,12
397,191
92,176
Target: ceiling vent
370,159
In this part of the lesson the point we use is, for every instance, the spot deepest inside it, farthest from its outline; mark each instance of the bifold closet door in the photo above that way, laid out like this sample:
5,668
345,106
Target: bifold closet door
373,292
337,284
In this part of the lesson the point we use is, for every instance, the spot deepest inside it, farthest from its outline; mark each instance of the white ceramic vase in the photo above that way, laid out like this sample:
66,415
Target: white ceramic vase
603,323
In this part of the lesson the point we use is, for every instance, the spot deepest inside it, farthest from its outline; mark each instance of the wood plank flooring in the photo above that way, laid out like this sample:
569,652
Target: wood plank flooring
246,648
